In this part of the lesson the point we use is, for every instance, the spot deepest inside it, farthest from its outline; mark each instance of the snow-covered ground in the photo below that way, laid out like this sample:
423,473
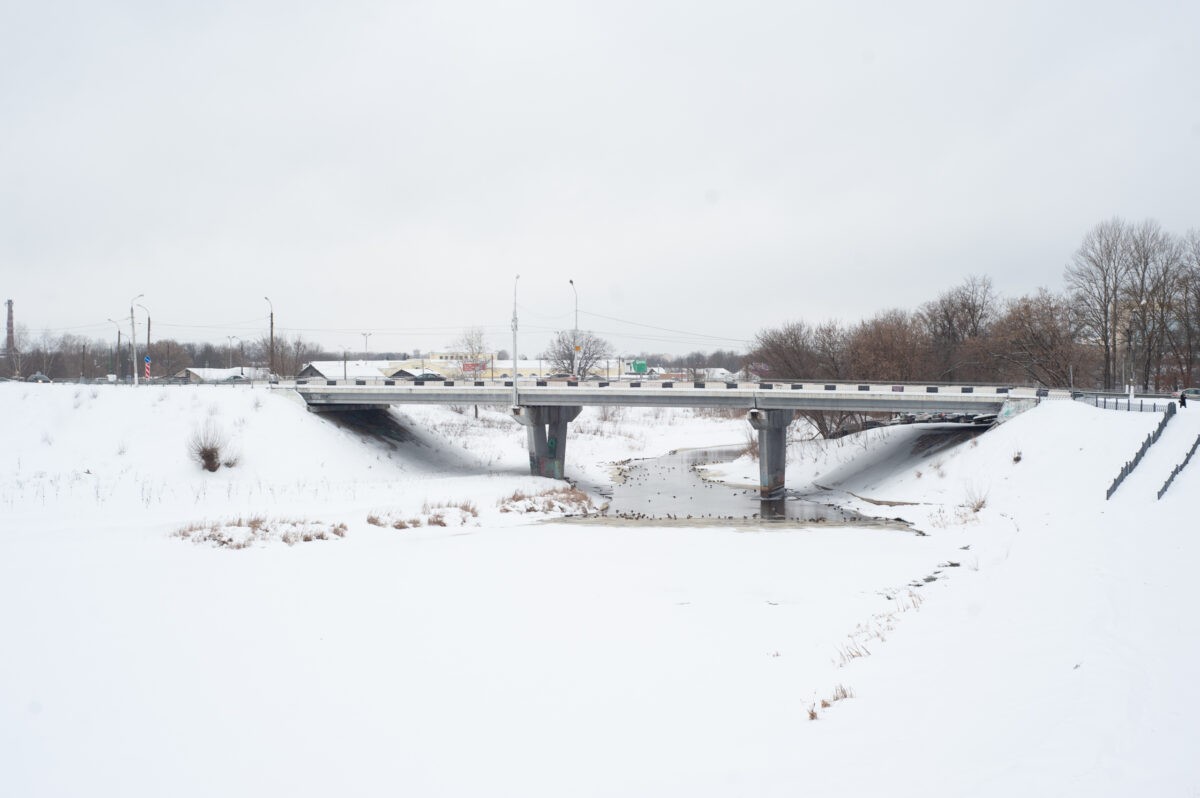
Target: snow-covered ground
299,623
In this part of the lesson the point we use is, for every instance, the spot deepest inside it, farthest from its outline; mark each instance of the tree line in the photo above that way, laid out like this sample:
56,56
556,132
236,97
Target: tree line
70,356
1128,312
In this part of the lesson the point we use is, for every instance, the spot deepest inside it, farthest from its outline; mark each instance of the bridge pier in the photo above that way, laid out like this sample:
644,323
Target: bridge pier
772,450
546,429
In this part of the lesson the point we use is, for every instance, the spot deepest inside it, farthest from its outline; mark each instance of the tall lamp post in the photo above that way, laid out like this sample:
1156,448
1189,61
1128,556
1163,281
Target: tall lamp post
116,362
366,350
133,340
575,332
229,349
143,307
272,359
514,352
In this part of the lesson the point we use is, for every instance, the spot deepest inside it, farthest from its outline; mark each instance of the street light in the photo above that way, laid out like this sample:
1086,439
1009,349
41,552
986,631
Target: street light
272,363
514,352
365,348
133,340
229,349
143,307
117,360
575,333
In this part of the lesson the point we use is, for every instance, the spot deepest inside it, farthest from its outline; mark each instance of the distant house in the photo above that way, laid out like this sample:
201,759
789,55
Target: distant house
235,374
346,369
415,374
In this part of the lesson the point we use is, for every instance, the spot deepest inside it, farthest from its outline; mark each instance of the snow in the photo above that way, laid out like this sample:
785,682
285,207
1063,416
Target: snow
522,653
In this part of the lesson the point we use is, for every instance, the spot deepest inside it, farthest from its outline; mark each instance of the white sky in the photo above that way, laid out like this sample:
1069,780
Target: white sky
694,166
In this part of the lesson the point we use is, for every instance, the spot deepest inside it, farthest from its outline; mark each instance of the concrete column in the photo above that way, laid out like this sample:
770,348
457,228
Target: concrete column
772,450
546,429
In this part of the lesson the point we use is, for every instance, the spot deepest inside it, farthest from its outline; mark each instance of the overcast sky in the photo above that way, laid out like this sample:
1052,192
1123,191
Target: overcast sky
702,170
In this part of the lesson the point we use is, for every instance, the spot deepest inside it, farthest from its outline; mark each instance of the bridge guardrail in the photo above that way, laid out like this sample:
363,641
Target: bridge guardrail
1151,439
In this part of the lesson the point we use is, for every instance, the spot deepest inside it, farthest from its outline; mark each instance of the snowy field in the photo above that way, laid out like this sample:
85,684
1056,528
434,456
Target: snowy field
335,613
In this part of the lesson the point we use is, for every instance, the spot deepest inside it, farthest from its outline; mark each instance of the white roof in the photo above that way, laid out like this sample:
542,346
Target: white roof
216,375
349,369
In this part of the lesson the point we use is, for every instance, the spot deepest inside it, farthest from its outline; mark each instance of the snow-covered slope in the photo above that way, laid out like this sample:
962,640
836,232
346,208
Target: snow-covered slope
1035,640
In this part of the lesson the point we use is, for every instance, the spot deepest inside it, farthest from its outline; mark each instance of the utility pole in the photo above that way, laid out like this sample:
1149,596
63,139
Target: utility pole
143,307
514,352
115,364
575,333
365,349
133,340
272,366
10,343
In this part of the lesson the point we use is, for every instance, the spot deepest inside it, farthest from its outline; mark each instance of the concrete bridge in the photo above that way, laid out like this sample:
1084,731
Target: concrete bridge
545,408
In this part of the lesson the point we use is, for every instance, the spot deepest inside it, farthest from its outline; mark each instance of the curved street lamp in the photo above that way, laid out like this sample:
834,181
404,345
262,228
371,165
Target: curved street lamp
133,340
143,307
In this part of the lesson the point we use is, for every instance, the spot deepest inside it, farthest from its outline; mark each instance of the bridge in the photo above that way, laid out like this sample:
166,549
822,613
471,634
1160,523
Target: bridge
546,408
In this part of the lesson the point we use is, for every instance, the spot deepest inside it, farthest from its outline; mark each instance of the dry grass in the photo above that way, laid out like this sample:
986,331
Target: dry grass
442,514
567,500
976,499
840,693
877,628
242,533
751,447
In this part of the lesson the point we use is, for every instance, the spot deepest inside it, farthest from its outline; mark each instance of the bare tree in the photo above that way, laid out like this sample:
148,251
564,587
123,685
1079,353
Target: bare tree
1037,338
957,322
1095,278
471,347
786,352
1185,337
592,349
1148,293
829,347
169,357
890,346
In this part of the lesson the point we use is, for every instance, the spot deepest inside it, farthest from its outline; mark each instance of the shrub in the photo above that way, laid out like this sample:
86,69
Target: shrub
976,500
206,444
751,447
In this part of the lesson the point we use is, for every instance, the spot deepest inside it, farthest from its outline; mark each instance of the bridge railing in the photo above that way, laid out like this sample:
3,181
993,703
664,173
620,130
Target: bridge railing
764,385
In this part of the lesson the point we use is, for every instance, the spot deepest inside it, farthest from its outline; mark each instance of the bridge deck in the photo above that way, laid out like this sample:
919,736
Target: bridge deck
768,396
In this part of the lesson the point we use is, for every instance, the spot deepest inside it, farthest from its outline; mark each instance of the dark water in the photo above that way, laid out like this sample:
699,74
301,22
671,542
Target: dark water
669,488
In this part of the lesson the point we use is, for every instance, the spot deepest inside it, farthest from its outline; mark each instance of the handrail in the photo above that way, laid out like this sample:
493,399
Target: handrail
1151,439
1180,467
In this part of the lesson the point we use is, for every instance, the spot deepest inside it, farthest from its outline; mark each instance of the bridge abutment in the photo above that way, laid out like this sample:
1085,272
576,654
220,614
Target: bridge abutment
772,450
546,430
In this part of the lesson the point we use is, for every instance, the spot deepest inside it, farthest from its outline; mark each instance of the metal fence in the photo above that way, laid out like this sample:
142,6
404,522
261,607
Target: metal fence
1179,468
1123,402
1151,439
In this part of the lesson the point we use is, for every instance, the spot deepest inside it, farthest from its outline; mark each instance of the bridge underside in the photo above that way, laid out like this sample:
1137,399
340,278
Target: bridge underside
545,411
